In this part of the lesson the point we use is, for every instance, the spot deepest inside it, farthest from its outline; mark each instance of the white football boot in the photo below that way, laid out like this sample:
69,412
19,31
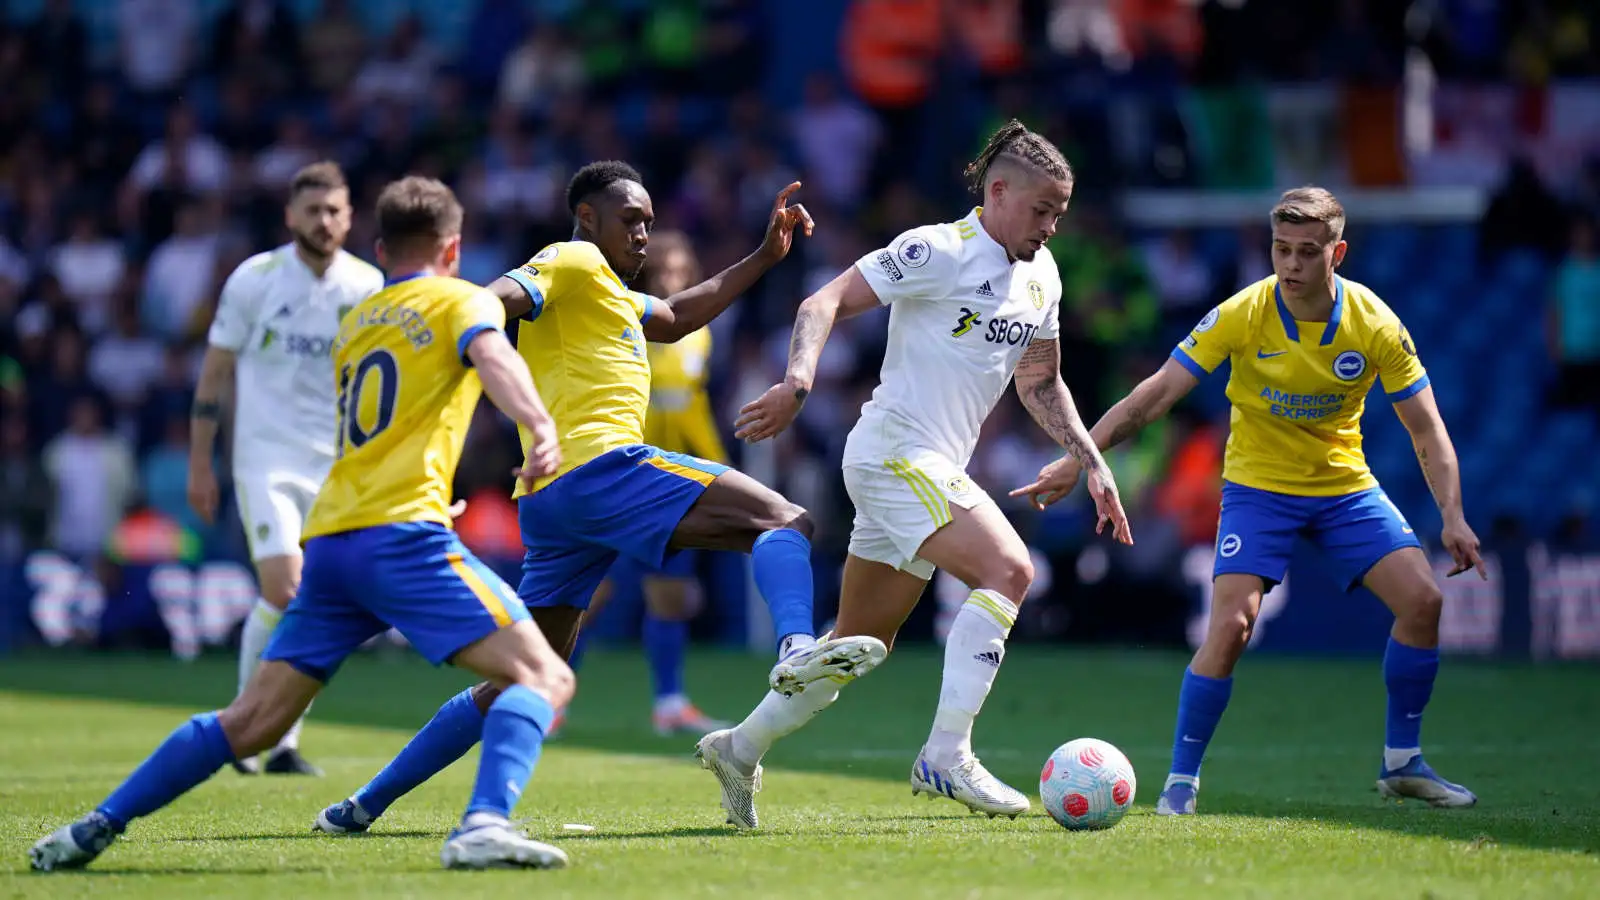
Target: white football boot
739,783
74,846
968,783
838,659
493,844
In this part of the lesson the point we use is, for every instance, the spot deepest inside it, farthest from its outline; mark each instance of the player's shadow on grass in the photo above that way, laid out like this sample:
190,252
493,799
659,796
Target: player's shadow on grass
874,731
726,831
99,871
1554,827
440,833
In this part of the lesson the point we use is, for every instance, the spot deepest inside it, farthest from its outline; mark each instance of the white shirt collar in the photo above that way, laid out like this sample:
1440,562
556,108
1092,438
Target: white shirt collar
973,223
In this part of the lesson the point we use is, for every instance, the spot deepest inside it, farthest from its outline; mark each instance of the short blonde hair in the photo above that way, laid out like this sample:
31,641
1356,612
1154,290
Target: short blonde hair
1310,204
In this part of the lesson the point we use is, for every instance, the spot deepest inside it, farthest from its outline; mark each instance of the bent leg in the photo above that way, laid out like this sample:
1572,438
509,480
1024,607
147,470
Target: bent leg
736,512
1208,686
1404,581
980,547
874,602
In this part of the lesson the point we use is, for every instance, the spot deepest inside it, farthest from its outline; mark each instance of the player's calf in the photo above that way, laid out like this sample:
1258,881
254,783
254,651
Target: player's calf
533,683
271,703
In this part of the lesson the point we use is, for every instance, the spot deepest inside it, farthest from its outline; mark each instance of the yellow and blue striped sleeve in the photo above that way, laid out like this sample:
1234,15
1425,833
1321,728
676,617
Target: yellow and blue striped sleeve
643,304
472,315
1215,336
1398,364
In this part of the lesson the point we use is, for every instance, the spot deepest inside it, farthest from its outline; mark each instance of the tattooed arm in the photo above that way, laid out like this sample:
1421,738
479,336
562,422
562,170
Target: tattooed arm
1050,404
845,296
1048,401
1144,404
1437,456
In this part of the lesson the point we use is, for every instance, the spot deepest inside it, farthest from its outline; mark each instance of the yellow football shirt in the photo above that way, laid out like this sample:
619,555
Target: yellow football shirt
584,343
680,416
1298,389
406,396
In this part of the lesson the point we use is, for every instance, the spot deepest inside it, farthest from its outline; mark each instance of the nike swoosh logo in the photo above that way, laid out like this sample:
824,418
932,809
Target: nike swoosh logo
1413,715
1190,740
1405,531
1260,355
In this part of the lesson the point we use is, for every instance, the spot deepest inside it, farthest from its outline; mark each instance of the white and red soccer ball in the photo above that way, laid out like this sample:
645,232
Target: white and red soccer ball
1087,784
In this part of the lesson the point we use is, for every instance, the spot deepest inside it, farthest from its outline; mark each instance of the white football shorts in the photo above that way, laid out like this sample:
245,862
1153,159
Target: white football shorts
901,502
273,505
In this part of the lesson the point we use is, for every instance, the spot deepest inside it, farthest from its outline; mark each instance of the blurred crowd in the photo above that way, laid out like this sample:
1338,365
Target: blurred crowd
145,146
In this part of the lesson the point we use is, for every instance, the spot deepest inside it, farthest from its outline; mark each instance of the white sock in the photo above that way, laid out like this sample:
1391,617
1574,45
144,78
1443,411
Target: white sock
671,704
1394,758
479,819
972,655
795,642
291,738
258,628
1174,778
776,716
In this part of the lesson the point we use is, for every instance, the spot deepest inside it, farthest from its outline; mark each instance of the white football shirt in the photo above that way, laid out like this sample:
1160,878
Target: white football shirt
960,314
281,320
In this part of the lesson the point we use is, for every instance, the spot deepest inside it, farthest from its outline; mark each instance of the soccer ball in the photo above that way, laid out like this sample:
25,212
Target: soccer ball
1087,784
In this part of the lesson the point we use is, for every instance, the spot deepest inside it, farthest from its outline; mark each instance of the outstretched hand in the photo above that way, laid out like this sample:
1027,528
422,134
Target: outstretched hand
781,226
1108,506
1057,480
768,415
1459,539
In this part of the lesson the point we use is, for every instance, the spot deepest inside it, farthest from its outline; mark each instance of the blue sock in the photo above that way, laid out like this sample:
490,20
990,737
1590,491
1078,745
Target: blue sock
665,644
513,733
1409,673
190,755
447,737
1201,702
781,559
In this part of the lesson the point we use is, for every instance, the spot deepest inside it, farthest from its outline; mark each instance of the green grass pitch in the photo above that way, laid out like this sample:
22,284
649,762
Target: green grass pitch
1288,807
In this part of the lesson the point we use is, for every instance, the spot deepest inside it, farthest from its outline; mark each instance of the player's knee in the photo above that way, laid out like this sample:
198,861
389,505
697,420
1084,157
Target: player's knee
1422,606
554,679
1011,574
277,593
1232,622
793,516
277,585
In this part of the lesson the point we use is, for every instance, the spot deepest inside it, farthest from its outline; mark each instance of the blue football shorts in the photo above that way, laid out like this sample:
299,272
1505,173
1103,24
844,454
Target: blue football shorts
622,504
1257,529
416,577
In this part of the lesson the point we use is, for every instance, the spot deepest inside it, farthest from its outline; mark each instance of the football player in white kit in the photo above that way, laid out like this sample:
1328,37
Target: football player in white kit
970,304
271,343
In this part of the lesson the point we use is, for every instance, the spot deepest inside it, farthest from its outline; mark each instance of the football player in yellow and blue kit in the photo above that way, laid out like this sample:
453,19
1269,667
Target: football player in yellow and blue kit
1306,347
412,362
583,333
679,419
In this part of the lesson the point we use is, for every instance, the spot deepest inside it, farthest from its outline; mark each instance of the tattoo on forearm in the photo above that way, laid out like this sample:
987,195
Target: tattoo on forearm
1040,353
206,409
1135,420
1050,404
1428,475
805,345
